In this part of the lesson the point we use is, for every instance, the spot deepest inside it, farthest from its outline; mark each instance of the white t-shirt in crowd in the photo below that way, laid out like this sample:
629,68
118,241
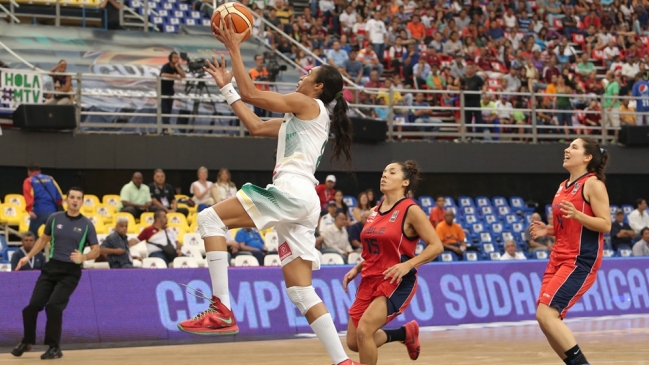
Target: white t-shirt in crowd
518,256
376,30
198,188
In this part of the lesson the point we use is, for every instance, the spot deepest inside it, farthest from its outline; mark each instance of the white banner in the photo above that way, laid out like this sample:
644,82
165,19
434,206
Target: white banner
20,87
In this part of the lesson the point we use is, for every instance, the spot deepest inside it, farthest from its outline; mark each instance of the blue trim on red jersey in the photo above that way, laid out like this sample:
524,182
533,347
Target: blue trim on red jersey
401,294
570,288
588,248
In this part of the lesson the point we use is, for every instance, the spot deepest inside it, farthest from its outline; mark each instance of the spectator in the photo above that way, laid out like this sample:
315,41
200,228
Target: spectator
337,56
473,83
621,233
627,113
328,218
612,101
158,235
42,197
363,205
62,83
348,18
489,114
641,93
639,219
370,60
223,188
35,263
200,189
260,73
341,207
458,67
163,195
112,13
352,68
437,213
420,72
116,247
630,69
541,243
504,110
371,198
170,71
453,47
451,234
354,231
416,28
334,238
585,67
641,248
511,253
250,241
377,32
135,197
326,191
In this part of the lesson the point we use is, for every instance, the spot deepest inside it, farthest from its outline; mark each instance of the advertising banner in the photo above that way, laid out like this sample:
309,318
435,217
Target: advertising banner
20,87
138,304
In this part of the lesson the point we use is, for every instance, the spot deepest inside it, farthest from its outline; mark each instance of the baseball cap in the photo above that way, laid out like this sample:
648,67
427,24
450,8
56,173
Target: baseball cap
331,178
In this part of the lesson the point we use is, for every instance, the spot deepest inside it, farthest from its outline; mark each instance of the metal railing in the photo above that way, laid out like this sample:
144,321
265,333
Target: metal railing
139,110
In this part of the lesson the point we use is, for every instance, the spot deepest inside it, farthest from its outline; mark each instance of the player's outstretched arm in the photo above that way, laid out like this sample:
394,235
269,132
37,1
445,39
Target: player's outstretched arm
291,103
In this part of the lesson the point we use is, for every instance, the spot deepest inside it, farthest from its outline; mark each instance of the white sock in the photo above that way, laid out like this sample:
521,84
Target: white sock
217,262
324,328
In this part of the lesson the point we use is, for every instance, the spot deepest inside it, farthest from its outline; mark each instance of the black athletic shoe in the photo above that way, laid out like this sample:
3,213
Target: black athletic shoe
52,353
20,348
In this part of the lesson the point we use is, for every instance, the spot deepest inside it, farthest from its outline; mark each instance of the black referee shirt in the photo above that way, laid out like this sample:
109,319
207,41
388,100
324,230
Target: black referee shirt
69,234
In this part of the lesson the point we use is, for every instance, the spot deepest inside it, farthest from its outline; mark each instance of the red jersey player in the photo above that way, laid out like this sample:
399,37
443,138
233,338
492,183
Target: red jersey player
389,274
581,215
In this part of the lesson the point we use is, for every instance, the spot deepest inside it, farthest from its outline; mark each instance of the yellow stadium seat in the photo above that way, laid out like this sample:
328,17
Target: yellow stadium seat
147,218
105,211
233,232
177,219
193,228
140,227
191,218
131,221
90,203
112,200
16,200
11,214
41,230
191,210
24,224
181,196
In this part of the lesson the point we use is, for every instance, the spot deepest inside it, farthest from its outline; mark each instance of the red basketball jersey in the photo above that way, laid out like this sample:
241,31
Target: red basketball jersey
574,242
384,242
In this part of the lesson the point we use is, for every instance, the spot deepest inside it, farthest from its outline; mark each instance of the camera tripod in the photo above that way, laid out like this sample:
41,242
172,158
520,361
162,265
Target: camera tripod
201,89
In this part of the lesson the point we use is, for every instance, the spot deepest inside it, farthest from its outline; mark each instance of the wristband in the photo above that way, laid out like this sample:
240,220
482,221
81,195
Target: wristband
231,95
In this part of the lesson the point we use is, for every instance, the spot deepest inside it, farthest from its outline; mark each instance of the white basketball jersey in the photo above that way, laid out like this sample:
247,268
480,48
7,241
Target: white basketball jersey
300,145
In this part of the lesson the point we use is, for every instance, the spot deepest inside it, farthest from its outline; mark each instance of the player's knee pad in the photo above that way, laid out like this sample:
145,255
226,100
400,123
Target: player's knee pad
210,224
304,297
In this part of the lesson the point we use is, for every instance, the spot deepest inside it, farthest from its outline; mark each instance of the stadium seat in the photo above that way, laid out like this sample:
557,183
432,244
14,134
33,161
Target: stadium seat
355,257
471,256
613,209
548,210
504,211
101,238
24,224
497,228
106,212
5,267
272,241
245,260
490,219
350,201
499,201
517,203
426,202
485,237
177,220
471,219
153,263
147,218
90,203
511,219
486,210
625,252
111,200
608,253
507,236
131,221
468,210
488,247
9,252
180,231
11,214
140,250
494,256
518,227
449,202
272,260
194,253
194,240
627,209
15,200
465,201
482,201
447,256
332,259
206,22
477,228
184,262
101,266
542,255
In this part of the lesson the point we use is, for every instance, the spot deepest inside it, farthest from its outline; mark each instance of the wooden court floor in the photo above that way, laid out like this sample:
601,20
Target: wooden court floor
606,341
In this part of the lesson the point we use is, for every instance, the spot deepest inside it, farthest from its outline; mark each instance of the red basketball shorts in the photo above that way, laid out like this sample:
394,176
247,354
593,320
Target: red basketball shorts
398,296
564,284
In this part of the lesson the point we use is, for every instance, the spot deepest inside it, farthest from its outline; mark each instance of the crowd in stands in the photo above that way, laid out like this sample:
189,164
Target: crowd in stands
577,49
143,219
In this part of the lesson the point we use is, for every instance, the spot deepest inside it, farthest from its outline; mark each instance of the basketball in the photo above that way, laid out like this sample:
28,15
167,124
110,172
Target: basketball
239,14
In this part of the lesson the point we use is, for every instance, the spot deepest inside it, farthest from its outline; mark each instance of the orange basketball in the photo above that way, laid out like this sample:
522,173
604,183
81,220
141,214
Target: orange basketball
240,15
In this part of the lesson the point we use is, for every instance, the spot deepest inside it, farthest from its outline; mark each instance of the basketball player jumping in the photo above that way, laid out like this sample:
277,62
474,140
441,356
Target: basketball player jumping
389,274
290,204
581,217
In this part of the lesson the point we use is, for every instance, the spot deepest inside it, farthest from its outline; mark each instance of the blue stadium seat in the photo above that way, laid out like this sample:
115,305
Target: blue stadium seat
468,211
183,7
466,201
493,256
163,13
169,6
486,248
518,227
456,212
170,28
482,201
173,21
9,252
471,256
195,15
350,201
507,236
471,219
624,252
548,210
627,209
485,237
511,219
517,203
609,253
477,228
157,20
490,219
499,201
497,228
447,256
206,22
449,202
542,255
426,201
190,21
527,219
613,209
503,210
486,210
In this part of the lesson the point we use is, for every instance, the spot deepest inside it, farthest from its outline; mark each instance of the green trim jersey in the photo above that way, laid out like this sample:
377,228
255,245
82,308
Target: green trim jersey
300,145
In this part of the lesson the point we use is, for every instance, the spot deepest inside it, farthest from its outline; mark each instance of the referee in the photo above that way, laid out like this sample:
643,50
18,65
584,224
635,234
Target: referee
69,232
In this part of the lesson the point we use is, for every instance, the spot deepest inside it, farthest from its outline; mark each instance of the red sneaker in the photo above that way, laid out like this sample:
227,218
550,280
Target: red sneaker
217,319
350,362
412,339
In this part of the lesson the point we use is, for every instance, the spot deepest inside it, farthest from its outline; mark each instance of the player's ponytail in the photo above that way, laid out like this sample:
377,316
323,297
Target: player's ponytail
599,161
410,172
341,126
